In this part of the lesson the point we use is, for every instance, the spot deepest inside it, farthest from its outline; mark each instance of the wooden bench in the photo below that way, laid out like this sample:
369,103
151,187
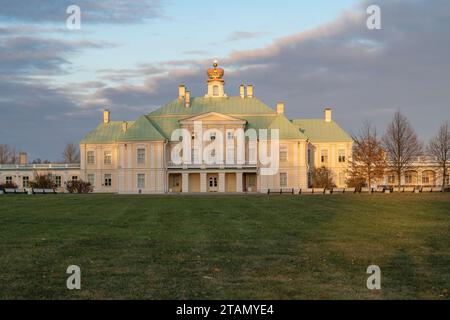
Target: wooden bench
38,191
436,189
380,190
427,189
307,191
409,189
397,189
50,191
15,191
338,190
281,191
349,190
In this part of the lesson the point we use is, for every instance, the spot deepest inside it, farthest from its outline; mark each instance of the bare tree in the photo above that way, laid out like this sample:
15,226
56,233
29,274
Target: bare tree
8,155
401,144
368,159
439,147
71,153
4,153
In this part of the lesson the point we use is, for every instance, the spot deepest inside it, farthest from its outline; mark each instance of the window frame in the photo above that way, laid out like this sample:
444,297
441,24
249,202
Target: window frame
107,180
283,153
90,157
283,178
141,156
89,180
138,181
324,158
107,157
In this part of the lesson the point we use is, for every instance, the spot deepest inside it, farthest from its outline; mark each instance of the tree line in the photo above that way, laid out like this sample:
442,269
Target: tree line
9,155
396,151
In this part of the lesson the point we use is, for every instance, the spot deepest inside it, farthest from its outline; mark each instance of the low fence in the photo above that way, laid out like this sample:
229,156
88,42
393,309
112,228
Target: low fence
354,190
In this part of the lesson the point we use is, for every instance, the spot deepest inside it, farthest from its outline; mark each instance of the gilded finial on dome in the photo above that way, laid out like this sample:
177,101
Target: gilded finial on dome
215,73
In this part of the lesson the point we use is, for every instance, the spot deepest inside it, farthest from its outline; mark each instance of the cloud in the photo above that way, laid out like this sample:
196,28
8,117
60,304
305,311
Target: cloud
362,74
39,55
93,12
245,35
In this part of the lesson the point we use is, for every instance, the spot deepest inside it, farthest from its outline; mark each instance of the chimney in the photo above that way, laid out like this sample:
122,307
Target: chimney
250,91
188,99
181,92
124,126
328,114
242,91
23,159
106,116
280,108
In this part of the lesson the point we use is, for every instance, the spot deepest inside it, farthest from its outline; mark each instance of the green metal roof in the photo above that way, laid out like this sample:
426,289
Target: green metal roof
105,132
142,130
228,105
318,130
160,124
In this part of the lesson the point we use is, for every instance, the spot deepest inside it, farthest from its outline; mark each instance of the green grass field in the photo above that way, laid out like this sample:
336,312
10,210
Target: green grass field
219,247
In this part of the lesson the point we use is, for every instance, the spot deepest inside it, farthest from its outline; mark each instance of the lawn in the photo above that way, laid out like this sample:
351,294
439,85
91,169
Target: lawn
225,247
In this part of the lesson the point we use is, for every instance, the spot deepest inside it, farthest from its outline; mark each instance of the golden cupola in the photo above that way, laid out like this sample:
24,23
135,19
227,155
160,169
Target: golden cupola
215,81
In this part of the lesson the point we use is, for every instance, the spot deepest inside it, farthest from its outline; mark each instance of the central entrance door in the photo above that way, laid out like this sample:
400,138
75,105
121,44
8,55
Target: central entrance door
213,183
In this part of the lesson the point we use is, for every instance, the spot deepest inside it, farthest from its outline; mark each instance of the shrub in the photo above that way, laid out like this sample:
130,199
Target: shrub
322,178
11,185
43,182
79,186
356,182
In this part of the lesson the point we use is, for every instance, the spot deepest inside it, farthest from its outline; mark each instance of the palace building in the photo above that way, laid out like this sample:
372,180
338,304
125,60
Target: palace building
136,156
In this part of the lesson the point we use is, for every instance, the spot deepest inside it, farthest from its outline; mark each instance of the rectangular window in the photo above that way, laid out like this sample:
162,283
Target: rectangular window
341,155
141,156
108,157
26,182
324,156
74,178
391,178
8,180
108,180
283,153
58,181
230,135
91,157
283,180
91,179
141,181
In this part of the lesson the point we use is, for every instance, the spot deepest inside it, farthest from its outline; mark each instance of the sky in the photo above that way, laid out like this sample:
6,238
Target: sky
130,57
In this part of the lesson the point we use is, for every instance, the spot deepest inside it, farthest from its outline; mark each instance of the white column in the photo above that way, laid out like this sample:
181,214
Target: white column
185,182
222,182
203,184
239,177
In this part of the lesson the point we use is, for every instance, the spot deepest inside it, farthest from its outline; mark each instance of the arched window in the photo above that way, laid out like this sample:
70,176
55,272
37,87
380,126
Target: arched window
216,91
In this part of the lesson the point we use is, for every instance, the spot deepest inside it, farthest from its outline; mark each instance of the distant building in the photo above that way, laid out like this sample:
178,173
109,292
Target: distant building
23,173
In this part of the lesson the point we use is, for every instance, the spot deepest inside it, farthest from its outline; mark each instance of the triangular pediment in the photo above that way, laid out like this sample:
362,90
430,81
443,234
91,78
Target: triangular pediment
213,117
